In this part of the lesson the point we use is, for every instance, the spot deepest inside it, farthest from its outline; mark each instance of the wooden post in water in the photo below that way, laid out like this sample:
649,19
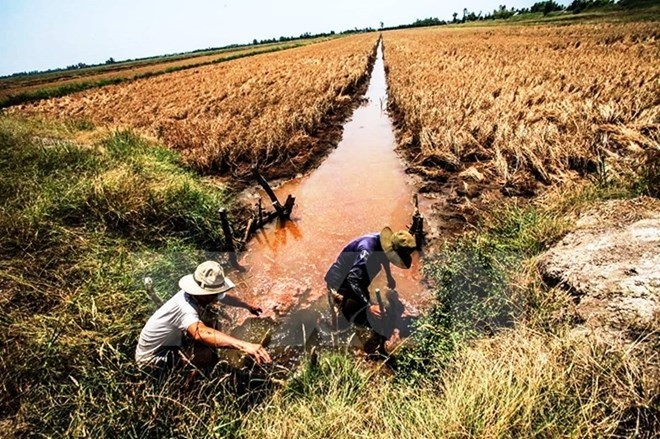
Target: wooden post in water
229,240
149,286
261,217
273,198
288,205
417,226
333,312
248,229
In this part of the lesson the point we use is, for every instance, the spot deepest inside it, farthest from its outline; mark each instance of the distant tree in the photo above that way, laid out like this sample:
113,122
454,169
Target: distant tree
427,22
503,12
110,60
455,14
546,7
632,4
382,25
581,5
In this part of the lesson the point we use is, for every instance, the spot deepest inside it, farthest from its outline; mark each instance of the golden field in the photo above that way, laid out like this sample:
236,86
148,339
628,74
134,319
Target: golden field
262,110
123,71
526,104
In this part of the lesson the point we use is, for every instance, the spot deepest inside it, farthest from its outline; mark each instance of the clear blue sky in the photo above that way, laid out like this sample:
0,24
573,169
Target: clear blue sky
43,34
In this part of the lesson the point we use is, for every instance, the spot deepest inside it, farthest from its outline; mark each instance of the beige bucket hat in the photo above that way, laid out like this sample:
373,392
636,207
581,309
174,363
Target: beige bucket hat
208,278
398,246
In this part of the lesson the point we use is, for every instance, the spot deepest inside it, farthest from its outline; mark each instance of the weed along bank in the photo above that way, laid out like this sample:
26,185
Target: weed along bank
431,232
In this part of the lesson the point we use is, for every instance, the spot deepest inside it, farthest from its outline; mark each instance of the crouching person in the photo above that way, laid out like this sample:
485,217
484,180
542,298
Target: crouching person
175,331
358,263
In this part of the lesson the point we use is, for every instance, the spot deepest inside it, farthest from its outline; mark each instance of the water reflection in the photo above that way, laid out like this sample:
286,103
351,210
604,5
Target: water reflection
275,239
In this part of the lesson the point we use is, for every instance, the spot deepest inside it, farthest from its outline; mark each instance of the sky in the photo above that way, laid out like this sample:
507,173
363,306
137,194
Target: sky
46,34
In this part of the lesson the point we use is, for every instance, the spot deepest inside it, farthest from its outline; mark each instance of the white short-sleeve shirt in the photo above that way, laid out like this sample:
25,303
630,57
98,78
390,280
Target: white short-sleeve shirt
166,326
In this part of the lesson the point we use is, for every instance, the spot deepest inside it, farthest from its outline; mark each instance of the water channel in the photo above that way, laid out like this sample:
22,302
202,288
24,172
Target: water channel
358,189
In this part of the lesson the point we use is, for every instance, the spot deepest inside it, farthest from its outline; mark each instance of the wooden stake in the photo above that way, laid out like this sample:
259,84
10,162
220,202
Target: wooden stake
288,205
417,226
333,312
273,198
149,286
248,229
261,217
229,239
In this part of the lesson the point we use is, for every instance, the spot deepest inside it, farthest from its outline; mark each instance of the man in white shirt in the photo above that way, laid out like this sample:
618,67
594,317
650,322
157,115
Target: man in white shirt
162,337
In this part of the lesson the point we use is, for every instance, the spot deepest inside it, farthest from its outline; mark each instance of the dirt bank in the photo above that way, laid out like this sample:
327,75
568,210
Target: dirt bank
611,266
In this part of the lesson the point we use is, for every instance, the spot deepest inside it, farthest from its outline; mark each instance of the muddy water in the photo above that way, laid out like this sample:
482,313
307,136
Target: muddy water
360,188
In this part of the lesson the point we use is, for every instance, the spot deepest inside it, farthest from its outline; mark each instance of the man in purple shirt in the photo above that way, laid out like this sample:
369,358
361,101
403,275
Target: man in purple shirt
348,279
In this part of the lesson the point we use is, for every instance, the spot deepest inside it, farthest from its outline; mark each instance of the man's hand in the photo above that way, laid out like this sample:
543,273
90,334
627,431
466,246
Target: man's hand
375,311
255,310
391,283
257,352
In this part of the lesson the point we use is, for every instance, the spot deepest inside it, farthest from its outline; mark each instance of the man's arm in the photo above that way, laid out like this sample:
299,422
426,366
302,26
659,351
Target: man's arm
214,338
231,300
391,283
358,278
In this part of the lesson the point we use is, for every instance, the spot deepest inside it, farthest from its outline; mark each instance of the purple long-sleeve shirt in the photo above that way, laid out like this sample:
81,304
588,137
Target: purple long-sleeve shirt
357,265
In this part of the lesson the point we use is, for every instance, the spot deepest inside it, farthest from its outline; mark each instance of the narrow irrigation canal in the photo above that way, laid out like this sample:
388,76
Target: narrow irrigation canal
360,188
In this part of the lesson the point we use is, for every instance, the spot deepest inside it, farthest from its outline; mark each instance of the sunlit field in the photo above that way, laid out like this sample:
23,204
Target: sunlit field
26,88
521,104
262,110
104,187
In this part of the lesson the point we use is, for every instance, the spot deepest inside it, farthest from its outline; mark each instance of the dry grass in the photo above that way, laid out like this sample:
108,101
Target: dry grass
526,103
521,383
261,110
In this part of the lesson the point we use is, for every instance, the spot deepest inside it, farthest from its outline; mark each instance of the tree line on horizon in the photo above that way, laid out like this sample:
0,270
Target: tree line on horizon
502,12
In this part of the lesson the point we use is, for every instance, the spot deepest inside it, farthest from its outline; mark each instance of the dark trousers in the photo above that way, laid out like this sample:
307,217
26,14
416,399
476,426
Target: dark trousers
353,308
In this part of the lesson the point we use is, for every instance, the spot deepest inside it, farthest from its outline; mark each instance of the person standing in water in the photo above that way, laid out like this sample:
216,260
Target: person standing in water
358,263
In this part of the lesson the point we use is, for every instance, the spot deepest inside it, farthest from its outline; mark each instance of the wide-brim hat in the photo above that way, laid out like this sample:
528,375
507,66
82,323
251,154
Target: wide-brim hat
208,278
398,247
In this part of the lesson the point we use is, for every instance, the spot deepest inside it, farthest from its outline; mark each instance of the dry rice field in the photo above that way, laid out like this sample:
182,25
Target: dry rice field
265,110
128,70
512,107
516,106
